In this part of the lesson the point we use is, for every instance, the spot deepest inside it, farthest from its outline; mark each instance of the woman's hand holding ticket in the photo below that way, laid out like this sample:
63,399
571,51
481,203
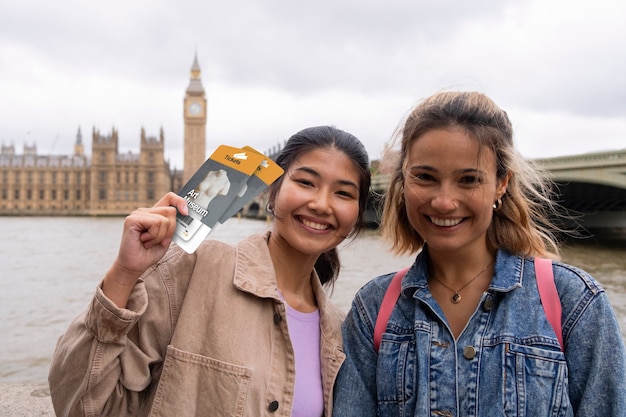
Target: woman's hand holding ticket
146,237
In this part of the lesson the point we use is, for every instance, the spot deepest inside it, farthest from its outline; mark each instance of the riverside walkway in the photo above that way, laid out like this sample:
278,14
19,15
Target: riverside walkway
25,400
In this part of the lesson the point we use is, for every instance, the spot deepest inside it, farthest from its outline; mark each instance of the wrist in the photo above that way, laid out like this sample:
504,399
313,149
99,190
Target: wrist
118,284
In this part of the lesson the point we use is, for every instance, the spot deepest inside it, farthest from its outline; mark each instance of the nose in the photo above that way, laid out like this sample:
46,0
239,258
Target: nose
320,201
444,200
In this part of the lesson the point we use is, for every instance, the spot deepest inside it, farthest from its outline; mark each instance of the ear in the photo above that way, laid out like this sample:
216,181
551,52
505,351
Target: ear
503,183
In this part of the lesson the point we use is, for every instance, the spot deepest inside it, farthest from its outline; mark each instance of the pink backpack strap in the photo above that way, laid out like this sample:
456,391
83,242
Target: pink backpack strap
545,282
549,296
389,302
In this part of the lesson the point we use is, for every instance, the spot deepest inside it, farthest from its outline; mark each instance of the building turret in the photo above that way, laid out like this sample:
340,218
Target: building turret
79,148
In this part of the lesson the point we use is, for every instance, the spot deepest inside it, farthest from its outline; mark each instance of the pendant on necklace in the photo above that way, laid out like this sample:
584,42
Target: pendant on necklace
456,298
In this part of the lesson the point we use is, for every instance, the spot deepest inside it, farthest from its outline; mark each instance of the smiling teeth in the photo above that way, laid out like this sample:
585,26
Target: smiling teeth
316,226
445,222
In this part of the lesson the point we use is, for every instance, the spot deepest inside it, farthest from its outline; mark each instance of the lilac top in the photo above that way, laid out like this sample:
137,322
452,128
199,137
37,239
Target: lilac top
304,330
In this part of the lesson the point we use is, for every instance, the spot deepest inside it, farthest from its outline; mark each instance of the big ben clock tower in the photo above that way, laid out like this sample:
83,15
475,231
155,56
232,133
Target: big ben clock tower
195,112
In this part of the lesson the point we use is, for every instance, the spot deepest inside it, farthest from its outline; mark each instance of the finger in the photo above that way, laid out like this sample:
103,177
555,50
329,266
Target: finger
160,228
172,199
151,224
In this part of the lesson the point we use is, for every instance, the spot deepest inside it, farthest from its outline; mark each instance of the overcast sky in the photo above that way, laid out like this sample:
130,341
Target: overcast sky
271,68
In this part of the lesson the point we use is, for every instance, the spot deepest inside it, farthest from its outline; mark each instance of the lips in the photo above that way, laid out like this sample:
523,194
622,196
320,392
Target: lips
314,225
445,222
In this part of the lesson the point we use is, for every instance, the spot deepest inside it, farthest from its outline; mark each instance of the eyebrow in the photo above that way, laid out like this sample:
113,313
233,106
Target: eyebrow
318,175
460,171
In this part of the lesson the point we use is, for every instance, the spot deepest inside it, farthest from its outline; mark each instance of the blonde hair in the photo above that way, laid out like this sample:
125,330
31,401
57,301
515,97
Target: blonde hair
524,225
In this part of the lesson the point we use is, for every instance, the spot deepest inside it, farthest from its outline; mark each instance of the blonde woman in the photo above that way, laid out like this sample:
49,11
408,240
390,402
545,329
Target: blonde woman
468,335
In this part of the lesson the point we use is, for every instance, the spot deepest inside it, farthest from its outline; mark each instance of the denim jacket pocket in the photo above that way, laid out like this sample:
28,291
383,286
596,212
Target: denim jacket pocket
535,382
396,369
194,385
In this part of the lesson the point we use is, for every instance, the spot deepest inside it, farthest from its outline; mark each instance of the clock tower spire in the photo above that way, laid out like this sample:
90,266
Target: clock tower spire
195,115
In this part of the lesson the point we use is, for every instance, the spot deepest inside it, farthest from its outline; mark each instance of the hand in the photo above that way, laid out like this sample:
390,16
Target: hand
146,237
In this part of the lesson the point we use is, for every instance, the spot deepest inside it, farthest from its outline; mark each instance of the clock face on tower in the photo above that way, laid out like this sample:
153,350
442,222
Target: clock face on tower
195,108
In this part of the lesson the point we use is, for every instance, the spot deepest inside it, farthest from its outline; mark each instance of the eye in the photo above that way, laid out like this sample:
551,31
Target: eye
303,181
471,180
347,194
419,177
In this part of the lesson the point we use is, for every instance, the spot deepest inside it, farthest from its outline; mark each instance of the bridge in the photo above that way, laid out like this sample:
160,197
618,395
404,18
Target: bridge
590,185
594,186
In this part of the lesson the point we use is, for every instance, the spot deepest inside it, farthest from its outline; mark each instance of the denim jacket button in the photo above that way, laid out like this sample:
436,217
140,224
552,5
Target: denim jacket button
488,304
469,352
273,406
277,318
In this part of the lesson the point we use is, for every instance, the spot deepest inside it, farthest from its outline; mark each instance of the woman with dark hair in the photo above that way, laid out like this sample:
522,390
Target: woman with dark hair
470,332
244,330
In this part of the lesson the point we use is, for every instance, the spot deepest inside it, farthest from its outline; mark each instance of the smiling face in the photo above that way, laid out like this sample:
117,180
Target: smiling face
317,204
450,186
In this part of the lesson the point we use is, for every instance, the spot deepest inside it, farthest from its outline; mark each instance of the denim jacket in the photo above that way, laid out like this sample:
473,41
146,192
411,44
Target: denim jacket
506,362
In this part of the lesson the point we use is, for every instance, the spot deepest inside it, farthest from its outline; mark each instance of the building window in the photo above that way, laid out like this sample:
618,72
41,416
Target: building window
78,178
17,194
29,177
54,177
29,194
42,194
54,195
66,178
102,194
150,177
103,157
103,177
66,195
42,177
150,194
77,194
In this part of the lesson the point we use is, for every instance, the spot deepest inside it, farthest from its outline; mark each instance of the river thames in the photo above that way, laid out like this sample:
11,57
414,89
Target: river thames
49,268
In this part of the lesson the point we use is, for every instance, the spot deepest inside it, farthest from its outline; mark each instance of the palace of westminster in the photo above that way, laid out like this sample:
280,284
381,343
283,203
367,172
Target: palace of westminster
108,183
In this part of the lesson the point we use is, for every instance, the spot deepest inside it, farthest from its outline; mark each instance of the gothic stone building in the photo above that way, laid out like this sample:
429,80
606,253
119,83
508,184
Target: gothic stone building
108,183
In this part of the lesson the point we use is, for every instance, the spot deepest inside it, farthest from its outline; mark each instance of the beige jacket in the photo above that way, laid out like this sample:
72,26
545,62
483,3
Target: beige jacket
202,335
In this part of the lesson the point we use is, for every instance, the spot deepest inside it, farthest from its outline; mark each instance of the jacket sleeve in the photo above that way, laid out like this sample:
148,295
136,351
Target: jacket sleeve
355,388
596,359
105,362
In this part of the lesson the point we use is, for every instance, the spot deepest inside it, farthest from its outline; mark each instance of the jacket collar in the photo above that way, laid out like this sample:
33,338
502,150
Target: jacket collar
254,271
254,274
508,273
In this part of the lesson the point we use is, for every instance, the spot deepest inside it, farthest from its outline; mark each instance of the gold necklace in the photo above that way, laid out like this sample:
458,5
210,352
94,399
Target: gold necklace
456,297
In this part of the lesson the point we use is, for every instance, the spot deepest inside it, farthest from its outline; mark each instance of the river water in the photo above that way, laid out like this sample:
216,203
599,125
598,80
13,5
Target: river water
49,268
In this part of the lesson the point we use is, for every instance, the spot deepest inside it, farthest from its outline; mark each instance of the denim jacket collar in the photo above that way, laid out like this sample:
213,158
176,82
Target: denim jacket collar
503,280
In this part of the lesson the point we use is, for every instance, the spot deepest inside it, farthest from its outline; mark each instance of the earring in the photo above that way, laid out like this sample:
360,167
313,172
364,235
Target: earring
269,208
497,205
